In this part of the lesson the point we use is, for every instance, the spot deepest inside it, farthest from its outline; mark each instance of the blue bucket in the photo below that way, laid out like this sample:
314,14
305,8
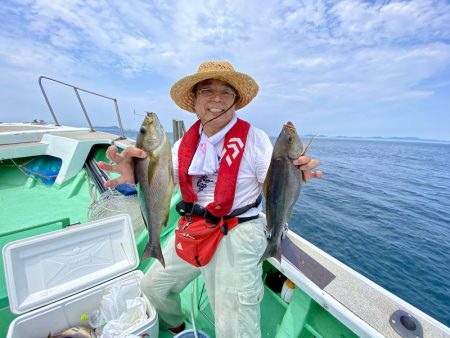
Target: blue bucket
190,334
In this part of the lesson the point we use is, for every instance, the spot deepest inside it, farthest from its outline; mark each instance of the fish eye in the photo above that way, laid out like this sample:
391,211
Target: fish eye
142,130
290,139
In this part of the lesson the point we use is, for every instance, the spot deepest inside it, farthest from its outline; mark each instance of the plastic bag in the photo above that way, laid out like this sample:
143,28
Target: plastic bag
135,313
113,303
120,308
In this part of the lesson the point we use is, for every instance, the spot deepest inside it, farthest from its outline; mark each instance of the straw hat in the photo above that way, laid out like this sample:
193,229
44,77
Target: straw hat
246,87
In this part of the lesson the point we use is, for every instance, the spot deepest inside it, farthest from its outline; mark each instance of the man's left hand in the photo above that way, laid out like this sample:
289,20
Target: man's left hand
308,166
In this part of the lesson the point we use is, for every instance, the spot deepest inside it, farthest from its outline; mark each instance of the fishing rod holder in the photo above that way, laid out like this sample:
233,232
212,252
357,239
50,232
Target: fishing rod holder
406,325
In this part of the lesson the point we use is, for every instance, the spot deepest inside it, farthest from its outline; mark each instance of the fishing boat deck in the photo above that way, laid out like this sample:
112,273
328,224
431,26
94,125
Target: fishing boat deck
19,127
331,300
71,145
15,133
370,305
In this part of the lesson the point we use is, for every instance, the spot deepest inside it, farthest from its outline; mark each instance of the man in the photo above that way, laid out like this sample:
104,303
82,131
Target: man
203,166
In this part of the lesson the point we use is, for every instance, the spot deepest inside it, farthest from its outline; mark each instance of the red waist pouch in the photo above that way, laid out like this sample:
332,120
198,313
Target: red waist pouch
196,239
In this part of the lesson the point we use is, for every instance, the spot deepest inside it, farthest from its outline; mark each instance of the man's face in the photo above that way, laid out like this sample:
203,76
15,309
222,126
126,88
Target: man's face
213,97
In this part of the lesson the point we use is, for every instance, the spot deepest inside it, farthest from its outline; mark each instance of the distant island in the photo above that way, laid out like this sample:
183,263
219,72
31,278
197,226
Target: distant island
380,138
306,137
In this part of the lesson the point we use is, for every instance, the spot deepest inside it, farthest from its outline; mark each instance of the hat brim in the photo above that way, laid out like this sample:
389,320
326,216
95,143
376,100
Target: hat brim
184,97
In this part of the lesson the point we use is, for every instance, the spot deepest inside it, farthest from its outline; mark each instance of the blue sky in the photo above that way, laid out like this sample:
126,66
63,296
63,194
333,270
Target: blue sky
355,68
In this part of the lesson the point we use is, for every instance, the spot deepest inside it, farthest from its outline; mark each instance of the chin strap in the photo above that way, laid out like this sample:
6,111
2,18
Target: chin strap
204,124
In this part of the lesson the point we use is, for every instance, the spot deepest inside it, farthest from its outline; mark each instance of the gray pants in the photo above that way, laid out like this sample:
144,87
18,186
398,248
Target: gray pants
232,279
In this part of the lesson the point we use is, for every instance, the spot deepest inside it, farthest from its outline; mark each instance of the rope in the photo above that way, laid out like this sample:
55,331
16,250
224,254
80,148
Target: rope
14,165
26,171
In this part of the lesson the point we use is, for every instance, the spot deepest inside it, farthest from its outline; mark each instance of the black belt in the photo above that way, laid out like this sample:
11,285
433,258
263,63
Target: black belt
185,208
246,219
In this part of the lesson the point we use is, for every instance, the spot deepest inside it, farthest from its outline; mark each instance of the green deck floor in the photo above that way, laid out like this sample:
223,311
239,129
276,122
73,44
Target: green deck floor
30,207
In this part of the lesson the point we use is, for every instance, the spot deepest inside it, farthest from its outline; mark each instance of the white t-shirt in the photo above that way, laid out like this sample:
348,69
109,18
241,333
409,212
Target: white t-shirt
252,172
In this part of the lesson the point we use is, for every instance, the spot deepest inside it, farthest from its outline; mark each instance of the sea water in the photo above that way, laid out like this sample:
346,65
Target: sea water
383,208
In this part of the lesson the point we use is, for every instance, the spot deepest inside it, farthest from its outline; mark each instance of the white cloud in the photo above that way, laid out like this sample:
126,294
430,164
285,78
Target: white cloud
318,61
307,54
99,31
29,55
369,23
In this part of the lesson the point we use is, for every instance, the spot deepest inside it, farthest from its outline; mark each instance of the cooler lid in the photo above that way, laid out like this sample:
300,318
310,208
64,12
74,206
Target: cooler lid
42,269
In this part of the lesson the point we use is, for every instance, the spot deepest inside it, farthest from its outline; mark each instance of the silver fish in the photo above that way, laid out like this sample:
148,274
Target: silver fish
282,187
154,175
75,332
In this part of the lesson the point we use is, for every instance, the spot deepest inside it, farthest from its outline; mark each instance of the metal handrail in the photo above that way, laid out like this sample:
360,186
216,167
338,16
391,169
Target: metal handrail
76,89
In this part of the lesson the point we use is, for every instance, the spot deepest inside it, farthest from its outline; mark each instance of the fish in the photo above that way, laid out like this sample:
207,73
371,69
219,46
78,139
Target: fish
75,332
282,187
154,177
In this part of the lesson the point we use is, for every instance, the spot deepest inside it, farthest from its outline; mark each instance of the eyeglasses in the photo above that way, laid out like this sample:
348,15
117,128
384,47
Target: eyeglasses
224,94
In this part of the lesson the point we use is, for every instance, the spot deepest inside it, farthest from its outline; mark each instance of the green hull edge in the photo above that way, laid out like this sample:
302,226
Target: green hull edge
57,206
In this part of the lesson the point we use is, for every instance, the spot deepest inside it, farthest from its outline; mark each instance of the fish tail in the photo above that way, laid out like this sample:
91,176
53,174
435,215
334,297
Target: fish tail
272,250
153,250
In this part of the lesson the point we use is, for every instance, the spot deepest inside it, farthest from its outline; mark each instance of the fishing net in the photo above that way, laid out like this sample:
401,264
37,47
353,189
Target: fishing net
111,203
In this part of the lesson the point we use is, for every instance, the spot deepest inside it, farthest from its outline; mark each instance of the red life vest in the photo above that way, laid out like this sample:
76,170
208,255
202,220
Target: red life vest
233,150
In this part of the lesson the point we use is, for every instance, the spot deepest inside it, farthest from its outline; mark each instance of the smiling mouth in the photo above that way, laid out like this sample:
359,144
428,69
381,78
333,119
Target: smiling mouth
215,110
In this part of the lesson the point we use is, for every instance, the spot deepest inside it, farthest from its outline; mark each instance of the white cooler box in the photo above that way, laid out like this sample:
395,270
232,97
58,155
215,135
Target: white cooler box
52,279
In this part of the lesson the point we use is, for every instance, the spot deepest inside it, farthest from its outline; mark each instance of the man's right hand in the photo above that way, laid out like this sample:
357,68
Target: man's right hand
122,163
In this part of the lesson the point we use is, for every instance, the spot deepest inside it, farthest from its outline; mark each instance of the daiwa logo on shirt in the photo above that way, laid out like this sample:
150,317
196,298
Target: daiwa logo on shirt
232,149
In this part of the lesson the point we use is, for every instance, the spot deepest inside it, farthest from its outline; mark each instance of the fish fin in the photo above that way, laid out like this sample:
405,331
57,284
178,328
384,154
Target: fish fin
153,164
277,254
143,163
266,183
272,250
265,190
153,251
147,252
167,204
144,216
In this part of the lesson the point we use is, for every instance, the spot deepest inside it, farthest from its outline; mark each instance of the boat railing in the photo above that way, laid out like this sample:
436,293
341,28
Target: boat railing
77,90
